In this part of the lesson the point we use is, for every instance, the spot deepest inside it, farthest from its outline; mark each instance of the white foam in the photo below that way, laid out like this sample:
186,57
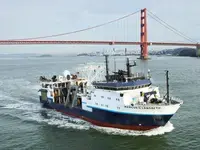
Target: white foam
157,131
4,97
32,112
23,106
58,120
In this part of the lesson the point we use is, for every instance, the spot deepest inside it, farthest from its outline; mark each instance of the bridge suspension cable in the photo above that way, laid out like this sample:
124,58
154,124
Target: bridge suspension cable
156,18
76,31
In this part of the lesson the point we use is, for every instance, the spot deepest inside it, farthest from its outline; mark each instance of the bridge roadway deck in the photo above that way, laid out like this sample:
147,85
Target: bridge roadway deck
39,42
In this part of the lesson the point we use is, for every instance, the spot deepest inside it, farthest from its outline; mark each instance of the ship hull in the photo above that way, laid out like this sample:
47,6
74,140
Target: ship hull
112,119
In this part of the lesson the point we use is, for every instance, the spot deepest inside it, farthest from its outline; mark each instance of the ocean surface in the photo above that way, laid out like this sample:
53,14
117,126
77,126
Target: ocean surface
25,125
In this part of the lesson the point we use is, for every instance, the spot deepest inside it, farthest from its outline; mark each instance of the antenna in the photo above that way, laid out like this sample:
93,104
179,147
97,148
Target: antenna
114,60
167,85
125,52
107,74
128,67
114,64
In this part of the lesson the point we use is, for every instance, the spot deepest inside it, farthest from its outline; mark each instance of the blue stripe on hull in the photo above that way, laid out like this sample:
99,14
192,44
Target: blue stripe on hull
136,120
111,119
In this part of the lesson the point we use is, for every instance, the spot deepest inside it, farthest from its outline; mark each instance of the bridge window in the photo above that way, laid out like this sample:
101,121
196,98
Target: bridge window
108,97
102,96
122,88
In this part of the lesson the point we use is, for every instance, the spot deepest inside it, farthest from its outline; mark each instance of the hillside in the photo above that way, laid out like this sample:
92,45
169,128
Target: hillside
177,52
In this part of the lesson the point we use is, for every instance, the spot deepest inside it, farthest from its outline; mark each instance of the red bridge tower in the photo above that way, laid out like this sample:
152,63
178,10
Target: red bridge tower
143,35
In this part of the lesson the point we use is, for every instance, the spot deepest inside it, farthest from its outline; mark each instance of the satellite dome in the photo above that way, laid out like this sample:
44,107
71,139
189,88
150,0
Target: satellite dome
66,73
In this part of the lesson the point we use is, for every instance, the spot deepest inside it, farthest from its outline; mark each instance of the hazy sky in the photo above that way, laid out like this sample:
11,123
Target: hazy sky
30,18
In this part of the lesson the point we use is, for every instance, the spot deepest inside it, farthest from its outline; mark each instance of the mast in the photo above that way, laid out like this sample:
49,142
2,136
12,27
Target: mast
128,68
107,74
125,52
114,64
167,85
114,60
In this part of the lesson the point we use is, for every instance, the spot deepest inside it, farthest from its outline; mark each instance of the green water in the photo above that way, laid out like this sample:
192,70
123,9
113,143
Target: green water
25,125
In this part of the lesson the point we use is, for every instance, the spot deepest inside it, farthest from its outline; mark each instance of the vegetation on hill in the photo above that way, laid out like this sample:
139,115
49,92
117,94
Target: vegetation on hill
177,52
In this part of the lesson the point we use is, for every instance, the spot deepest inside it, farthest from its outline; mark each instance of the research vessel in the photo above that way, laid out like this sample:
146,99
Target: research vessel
124,100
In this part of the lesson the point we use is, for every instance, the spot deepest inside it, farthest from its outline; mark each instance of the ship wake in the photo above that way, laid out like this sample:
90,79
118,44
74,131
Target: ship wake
153,132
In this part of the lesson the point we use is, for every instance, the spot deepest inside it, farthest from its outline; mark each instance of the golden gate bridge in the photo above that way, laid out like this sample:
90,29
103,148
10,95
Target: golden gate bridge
143,43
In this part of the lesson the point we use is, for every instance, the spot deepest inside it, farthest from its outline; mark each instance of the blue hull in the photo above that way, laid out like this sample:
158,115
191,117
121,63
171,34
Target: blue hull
112,119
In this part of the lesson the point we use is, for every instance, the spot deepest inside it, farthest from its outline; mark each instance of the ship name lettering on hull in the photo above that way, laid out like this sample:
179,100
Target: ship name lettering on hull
142,107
